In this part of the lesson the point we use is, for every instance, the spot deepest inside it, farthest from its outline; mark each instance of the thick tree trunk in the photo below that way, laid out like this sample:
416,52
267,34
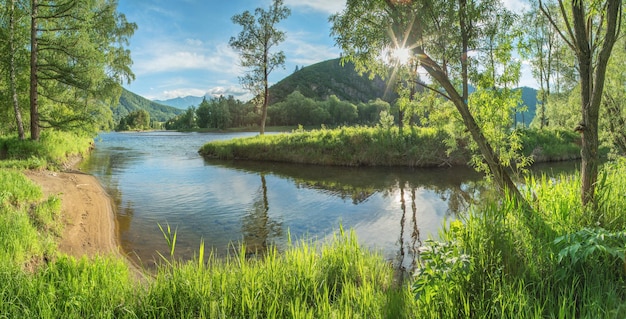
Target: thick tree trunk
34,107
12,74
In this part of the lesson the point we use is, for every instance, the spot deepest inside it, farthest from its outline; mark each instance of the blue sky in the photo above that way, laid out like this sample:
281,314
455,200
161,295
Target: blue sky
181,46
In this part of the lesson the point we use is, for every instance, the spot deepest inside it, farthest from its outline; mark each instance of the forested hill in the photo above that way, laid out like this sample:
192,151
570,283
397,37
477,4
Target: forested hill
323,79
130,102
319,81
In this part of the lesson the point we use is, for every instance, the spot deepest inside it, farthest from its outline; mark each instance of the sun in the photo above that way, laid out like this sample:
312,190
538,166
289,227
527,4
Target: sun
401,55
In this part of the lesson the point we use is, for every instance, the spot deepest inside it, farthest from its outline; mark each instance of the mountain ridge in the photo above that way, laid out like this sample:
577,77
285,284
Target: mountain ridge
130,102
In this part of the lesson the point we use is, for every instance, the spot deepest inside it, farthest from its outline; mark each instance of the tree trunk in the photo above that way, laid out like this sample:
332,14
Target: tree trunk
592,85
501,177
266,92
34,107
12,73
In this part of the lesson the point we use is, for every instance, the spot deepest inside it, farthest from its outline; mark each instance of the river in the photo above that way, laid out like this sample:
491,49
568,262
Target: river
158,178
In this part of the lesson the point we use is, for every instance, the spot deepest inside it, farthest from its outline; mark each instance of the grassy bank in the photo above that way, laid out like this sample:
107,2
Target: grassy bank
366,146
54,149
559,262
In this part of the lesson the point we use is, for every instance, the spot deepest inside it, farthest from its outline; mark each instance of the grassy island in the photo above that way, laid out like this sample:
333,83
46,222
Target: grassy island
376,146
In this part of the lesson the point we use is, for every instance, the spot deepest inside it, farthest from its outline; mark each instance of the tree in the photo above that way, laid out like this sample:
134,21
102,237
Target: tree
254,42
78,61
590,29
438,35
13,51
540,46
203,114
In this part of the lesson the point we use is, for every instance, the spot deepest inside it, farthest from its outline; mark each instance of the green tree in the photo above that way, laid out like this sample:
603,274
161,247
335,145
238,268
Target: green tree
203,114
593,51
220,113
540,46
78,61
185,121
258,37
613,123
341,112
369,113
438,35
136,120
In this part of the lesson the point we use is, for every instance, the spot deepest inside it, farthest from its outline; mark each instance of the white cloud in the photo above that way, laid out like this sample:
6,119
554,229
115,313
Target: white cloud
326,6
194,42
236,91
173,57
172,94
299,50
517,6
215,91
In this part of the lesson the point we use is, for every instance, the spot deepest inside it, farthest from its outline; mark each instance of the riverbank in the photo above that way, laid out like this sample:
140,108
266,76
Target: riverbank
86,212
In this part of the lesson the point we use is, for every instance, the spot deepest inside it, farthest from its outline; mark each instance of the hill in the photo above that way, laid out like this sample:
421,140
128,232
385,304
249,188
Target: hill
182,102
529,98
130,102
320,80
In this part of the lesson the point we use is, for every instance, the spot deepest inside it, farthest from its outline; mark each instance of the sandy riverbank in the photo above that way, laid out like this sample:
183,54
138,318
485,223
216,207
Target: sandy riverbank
86,211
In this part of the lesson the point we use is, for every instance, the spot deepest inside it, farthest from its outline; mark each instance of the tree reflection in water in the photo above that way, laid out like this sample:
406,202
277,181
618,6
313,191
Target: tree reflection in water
257,227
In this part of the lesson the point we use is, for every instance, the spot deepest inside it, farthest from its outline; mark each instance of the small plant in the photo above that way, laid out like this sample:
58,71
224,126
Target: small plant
443,266
588,243
170,238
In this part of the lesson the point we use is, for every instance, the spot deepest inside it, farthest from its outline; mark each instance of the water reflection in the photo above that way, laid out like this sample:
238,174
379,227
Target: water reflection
259,230
158,178
415,192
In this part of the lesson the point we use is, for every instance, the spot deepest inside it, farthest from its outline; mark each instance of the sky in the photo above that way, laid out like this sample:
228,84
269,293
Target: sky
181,46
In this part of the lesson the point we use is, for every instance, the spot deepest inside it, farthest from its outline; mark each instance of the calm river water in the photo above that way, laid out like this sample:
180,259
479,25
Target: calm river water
158,178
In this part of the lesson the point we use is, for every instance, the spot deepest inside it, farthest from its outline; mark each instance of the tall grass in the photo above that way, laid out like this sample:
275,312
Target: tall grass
560,262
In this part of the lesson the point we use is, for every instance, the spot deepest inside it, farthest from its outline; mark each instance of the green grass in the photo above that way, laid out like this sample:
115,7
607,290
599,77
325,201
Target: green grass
347,146
52,150
377,146
560,262
549,145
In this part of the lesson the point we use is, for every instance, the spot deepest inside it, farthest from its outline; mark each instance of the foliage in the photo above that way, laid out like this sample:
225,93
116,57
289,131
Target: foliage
78,60
443,272
185,121
137,120
589,244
